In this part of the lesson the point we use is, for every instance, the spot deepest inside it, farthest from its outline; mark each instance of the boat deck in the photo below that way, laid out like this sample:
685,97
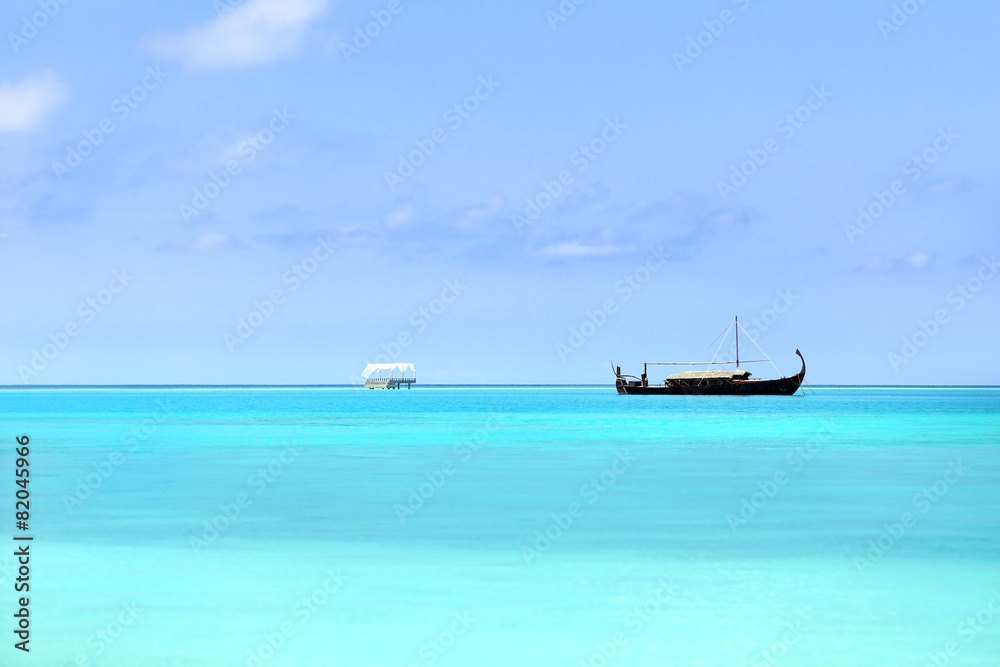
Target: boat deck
388,383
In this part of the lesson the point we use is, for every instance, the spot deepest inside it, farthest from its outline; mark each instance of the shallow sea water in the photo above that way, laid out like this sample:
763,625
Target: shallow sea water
508,526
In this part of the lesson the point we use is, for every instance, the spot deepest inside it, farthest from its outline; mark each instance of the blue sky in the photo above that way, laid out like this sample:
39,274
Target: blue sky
249,192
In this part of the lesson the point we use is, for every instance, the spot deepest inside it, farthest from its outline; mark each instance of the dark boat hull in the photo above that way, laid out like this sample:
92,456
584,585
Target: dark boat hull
785,386
780,387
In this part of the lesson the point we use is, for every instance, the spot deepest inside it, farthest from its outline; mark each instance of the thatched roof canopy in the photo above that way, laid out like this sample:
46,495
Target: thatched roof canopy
711,375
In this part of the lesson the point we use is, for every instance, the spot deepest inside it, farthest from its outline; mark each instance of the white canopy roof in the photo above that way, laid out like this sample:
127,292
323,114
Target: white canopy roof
372,368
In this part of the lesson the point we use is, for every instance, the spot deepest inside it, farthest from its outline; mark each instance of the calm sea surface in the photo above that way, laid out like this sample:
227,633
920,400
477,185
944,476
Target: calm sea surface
507,526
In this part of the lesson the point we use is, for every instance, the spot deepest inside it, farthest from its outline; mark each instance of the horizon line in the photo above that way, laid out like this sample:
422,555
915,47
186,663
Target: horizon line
360,386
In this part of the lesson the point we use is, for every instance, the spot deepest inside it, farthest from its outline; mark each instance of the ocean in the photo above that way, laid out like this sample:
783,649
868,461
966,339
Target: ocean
505,526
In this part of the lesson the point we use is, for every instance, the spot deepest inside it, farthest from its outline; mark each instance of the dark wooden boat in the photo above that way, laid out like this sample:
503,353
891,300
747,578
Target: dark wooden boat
711,382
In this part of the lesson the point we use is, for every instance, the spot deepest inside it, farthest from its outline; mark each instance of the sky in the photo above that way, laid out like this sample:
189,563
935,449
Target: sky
281,191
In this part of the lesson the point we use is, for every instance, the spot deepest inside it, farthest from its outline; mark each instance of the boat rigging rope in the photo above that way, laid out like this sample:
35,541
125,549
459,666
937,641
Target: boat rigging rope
759,348
720,346
724,332
772,363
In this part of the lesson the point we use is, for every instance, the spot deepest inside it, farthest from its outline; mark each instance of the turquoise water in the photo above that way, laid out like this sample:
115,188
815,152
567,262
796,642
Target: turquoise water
509,526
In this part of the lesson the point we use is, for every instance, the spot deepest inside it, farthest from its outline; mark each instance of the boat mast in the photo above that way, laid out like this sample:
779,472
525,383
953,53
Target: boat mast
736,323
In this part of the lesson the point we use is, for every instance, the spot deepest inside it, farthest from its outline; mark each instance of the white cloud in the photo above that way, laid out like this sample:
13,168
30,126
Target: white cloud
949,186
22,105
476,218
919,259
577,249
401,217
210,241
204,242
258,32
879,263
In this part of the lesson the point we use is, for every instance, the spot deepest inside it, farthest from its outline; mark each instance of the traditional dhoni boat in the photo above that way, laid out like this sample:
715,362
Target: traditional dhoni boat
712,381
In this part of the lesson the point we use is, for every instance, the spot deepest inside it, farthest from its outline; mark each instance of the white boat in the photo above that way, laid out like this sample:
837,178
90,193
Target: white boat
383,376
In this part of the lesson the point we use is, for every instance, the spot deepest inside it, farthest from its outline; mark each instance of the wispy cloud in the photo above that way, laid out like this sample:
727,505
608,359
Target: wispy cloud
400,217
949,186
283,213
260,31
578,249
204,242
211,240
918,260
478,218
24,104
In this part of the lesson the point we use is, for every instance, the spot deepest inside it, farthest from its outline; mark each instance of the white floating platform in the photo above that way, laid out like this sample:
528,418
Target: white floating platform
388,383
